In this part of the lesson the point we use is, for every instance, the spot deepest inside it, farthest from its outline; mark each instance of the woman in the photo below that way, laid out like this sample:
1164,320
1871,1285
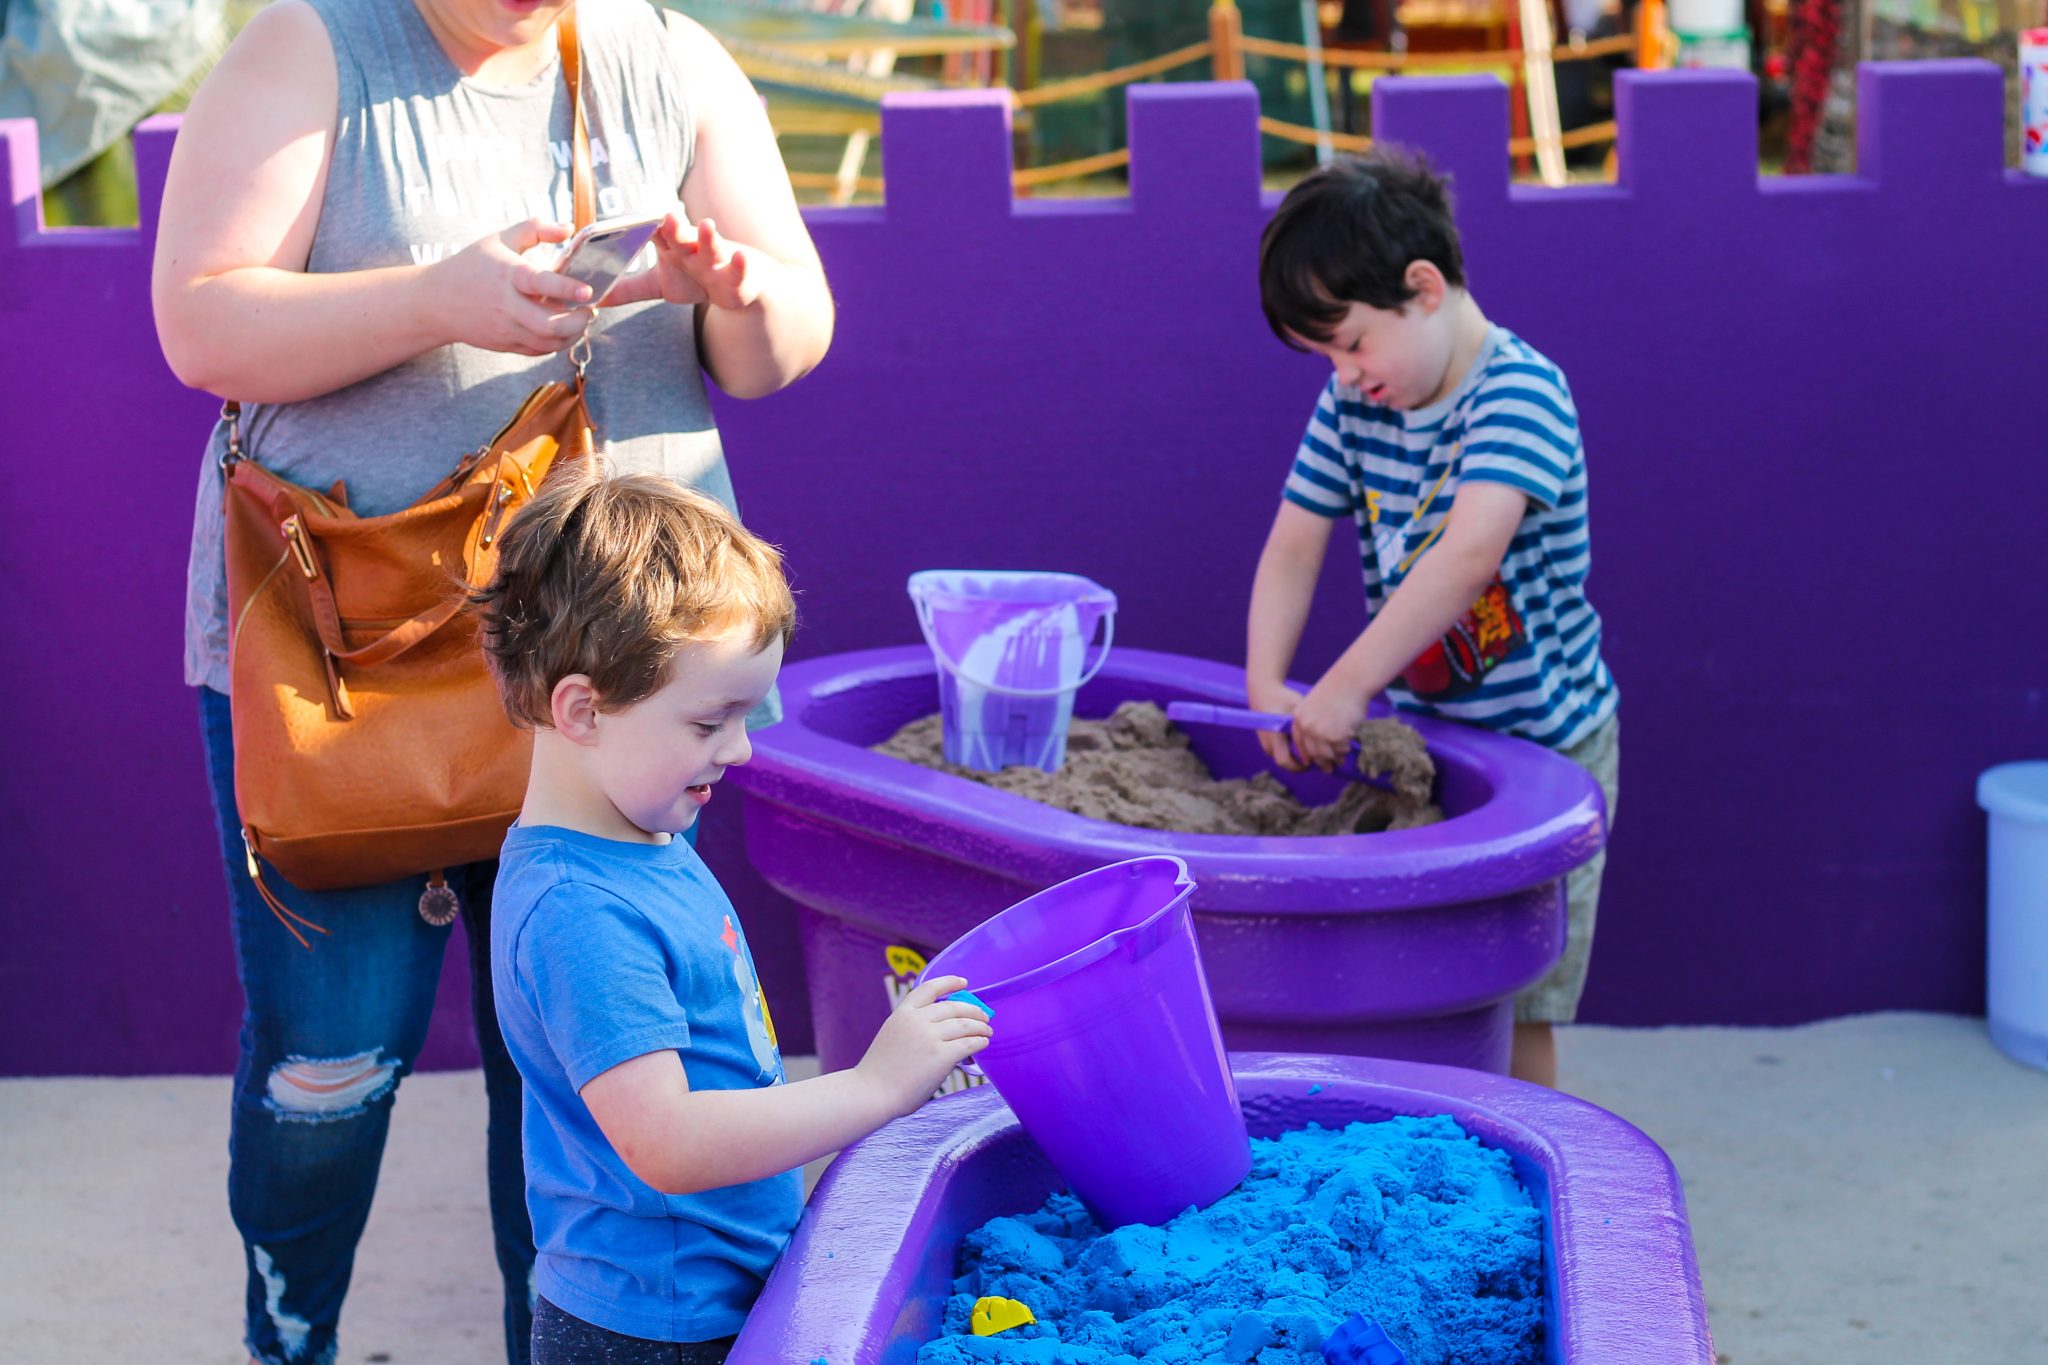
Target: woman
343,250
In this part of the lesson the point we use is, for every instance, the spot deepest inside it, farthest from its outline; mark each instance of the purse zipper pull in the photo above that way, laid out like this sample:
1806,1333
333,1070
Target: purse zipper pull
439,904
285,914
295,537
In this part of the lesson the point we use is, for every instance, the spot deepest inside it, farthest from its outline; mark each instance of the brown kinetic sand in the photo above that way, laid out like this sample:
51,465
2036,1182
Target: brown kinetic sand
1136,768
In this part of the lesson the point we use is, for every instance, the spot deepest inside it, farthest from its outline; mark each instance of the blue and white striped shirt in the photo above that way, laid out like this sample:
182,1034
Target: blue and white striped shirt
1396,474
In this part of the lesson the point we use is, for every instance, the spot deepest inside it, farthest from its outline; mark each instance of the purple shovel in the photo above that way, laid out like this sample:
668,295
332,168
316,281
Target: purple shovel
1238,718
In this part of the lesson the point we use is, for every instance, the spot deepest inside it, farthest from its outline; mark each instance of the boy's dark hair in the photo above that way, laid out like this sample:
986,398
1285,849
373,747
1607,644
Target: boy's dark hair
1347,234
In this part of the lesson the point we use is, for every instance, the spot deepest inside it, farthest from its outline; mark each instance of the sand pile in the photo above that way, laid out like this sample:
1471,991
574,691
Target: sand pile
1136,768
1410,1222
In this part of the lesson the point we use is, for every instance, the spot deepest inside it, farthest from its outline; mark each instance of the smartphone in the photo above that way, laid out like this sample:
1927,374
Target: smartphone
600,253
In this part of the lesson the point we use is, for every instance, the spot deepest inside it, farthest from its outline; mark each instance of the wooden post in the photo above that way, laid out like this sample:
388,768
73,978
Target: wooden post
1518,81
879,62
1226,27
1540,75
1652,52
1023,16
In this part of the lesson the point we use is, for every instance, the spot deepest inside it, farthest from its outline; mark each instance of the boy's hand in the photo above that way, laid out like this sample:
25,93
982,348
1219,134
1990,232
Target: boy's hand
1281,700
1326,722
924,1038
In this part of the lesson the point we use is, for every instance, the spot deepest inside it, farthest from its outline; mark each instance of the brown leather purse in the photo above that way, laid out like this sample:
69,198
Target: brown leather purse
369,740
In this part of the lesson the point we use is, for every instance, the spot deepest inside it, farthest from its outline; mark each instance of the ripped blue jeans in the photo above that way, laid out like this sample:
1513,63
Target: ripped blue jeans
327,1034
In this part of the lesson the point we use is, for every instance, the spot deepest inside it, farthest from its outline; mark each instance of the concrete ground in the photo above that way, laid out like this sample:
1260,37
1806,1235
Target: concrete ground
1864,1190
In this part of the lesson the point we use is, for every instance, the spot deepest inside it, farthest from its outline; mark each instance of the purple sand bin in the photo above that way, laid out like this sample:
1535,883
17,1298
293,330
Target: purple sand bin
1410,1222
1296,933
869,1272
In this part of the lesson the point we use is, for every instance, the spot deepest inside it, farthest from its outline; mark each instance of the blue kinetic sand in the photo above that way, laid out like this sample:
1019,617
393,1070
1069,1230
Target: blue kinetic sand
1409,1223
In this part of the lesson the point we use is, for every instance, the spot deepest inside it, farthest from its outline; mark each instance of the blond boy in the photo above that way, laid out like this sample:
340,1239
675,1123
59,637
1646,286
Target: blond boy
632,626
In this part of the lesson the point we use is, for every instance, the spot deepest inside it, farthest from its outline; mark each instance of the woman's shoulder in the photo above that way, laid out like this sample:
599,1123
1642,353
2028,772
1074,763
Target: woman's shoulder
289,32
276,79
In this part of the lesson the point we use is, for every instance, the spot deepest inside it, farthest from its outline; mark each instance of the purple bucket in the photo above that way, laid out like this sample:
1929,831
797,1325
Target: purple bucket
1011,649
1106,1046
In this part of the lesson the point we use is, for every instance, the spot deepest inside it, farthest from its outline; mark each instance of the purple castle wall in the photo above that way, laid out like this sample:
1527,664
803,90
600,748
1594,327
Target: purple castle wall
1817,474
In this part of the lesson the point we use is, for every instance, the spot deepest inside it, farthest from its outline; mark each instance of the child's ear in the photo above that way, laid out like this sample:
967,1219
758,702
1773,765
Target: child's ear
573,707
1428,285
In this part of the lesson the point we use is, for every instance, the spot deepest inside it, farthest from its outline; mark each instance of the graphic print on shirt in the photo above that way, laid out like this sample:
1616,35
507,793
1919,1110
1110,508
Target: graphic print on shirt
1481,640
1489,632
476,175
760,1028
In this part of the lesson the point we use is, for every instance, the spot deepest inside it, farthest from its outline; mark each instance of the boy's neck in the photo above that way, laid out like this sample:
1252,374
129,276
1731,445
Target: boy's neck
1468,338
559,794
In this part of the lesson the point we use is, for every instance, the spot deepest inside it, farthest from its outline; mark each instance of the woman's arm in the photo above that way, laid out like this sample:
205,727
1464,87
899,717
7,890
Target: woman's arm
236,312
768,319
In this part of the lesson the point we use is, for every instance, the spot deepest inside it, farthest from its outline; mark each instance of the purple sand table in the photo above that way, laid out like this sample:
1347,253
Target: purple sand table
866,1275
1792,388
1407,944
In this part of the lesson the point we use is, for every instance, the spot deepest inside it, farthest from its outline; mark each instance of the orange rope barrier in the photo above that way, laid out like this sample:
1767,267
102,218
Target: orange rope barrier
821,123
1022,180
1587,136
1404,61
1104,80
936,45
1226,49
1295,132
1070,170
821,180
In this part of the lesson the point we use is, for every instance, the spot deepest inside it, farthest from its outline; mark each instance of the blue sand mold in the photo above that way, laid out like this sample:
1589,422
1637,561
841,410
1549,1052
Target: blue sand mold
1411,1223
1359,1342
971,998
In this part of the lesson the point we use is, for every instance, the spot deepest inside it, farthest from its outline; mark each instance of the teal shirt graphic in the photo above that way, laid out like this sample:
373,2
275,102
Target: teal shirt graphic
760,1028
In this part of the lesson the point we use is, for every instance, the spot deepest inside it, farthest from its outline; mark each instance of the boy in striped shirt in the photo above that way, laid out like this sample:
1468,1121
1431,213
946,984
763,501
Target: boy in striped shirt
1453,447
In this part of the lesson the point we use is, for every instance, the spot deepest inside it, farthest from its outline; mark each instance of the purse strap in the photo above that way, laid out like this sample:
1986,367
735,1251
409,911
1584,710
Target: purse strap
582,187
582,196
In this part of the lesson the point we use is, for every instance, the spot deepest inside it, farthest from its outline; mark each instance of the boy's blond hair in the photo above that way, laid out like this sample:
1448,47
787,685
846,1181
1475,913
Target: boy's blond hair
609,575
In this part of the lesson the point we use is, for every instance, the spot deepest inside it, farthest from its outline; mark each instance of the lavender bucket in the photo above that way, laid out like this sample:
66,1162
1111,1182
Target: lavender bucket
1012,651
1106,1045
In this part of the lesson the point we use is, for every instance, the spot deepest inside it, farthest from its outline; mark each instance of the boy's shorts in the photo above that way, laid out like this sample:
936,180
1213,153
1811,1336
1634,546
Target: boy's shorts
1555,999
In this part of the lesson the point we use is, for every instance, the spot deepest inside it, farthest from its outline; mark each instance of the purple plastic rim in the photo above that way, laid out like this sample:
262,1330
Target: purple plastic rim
1296,933
1088,953
876,1240
1545,815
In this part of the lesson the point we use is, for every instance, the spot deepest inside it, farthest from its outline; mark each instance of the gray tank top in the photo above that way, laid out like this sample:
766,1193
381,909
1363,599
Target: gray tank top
426,161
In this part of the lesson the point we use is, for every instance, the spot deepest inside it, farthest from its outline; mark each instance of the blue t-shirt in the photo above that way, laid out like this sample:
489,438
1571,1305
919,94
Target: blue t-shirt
1527,660
601,952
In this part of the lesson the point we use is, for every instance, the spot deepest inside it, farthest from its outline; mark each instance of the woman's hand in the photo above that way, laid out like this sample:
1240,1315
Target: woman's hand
695,265
490,295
